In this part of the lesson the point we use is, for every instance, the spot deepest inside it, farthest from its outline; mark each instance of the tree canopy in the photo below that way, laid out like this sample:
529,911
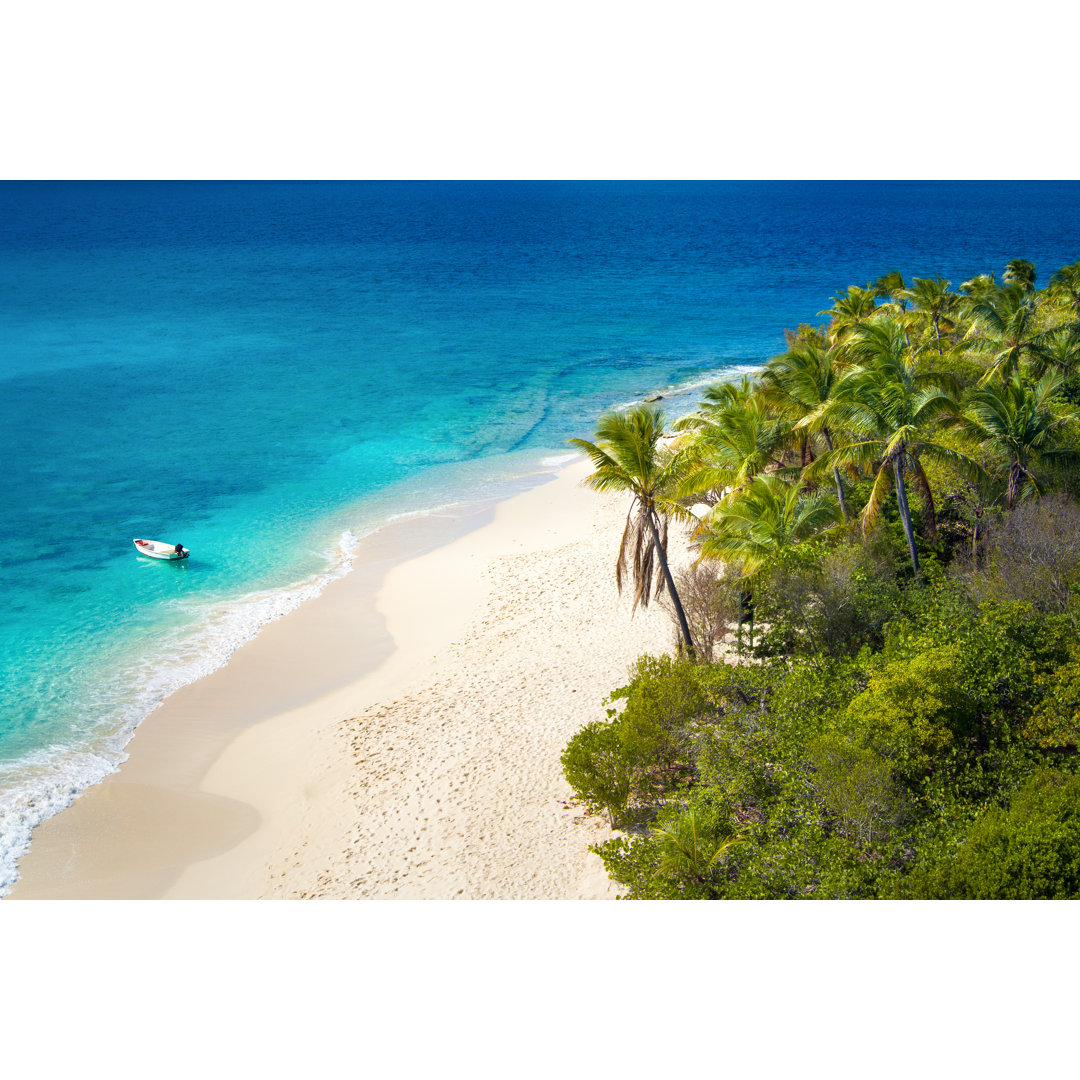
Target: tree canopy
897,492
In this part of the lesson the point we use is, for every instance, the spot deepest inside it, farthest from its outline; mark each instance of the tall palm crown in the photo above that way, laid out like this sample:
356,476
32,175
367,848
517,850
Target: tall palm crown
889,405
1006,326
934,304
891,287
1022,272
979,287
627,457
1016,423
735,436
725,396
1065,288
721,399
768,515
797,384
849,311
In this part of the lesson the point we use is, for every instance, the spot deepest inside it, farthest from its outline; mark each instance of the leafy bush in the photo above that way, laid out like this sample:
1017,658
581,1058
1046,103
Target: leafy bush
1034,556
595,768
1055,721
912,709
828,599
857,787
710,603
1031,851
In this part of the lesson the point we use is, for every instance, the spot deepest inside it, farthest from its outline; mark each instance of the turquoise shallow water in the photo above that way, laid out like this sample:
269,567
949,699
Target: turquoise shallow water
267,371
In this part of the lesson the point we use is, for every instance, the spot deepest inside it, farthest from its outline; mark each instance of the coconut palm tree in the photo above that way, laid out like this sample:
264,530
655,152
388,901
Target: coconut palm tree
890,405
850,309
1058,350
1006,326
891,288
1022,272
627,457
1065,288
733,438
797,384
725,396
768,515
1018,426
720,400
979,287
934,304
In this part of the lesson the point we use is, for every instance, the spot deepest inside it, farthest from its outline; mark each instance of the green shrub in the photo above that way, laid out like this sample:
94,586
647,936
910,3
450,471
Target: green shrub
1055,722
857,788
1031,851
596,769
911,709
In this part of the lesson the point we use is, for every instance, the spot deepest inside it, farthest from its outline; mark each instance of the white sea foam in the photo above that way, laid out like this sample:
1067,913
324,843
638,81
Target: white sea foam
39,784
558,460
426,511
729,373
34,788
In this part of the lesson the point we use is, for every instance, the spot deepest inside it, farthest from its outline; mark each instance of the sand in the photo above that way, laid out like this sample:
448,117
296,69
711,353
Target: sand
397,737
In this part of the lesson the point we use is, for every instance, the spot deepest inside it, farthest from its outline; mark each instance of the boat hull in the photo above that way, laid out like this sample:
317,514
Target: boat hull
157,549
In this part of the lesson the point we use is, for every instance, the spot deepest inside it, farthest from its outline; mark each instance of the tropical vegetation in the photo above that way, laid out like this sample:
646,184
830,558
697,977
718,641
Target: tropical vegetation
894,500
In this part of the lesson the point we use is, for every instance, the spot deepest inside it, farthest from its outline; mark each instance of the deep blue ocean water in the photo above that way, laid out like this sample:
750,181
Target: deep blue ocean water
265,371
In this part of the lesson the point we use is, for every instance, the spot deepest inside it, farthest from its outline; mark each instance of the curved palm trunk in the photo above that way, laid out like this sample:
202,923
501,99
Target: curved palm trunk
905,513
836,476
675,601
1014,484
929,511
975,536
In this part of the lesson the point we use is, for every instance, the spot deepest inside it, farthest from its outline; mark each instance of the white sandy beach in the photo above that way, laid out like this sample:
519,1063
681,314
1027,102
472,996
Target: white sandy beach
415,755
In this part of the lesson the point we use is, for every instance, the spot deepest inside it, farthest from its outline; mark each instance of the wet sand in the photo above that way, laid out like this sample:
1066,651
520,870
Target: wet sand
396,737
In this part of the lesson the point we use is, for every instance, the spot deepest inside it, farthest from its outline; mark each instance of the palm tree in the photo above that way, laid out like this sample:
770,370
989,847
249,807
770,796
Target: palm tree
979,287
891,288
1058,349
890,405
769,514
1065,288
934,303
721,399
734,437
1017,425
1022,272
688,851
797,384
849,311
627,457
725,396
1006,319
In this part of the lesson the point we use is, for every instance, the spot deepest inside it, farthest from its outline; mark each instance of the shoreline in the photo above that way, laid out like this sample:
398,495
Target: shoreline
262,778
39,788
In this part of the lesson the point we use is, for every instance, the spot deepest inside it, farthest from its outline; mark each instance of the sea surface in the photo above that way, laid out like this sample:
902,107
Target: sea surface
266,372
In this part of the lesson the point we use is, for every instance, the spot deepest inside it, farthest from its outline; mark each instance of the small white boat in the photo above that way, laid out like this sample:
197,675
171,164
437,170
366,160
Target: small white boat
158,549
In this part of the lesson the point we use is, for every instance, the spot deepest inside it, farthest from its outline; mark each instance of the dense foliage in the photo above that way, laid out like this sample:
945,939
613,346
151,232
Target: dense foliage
880,697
